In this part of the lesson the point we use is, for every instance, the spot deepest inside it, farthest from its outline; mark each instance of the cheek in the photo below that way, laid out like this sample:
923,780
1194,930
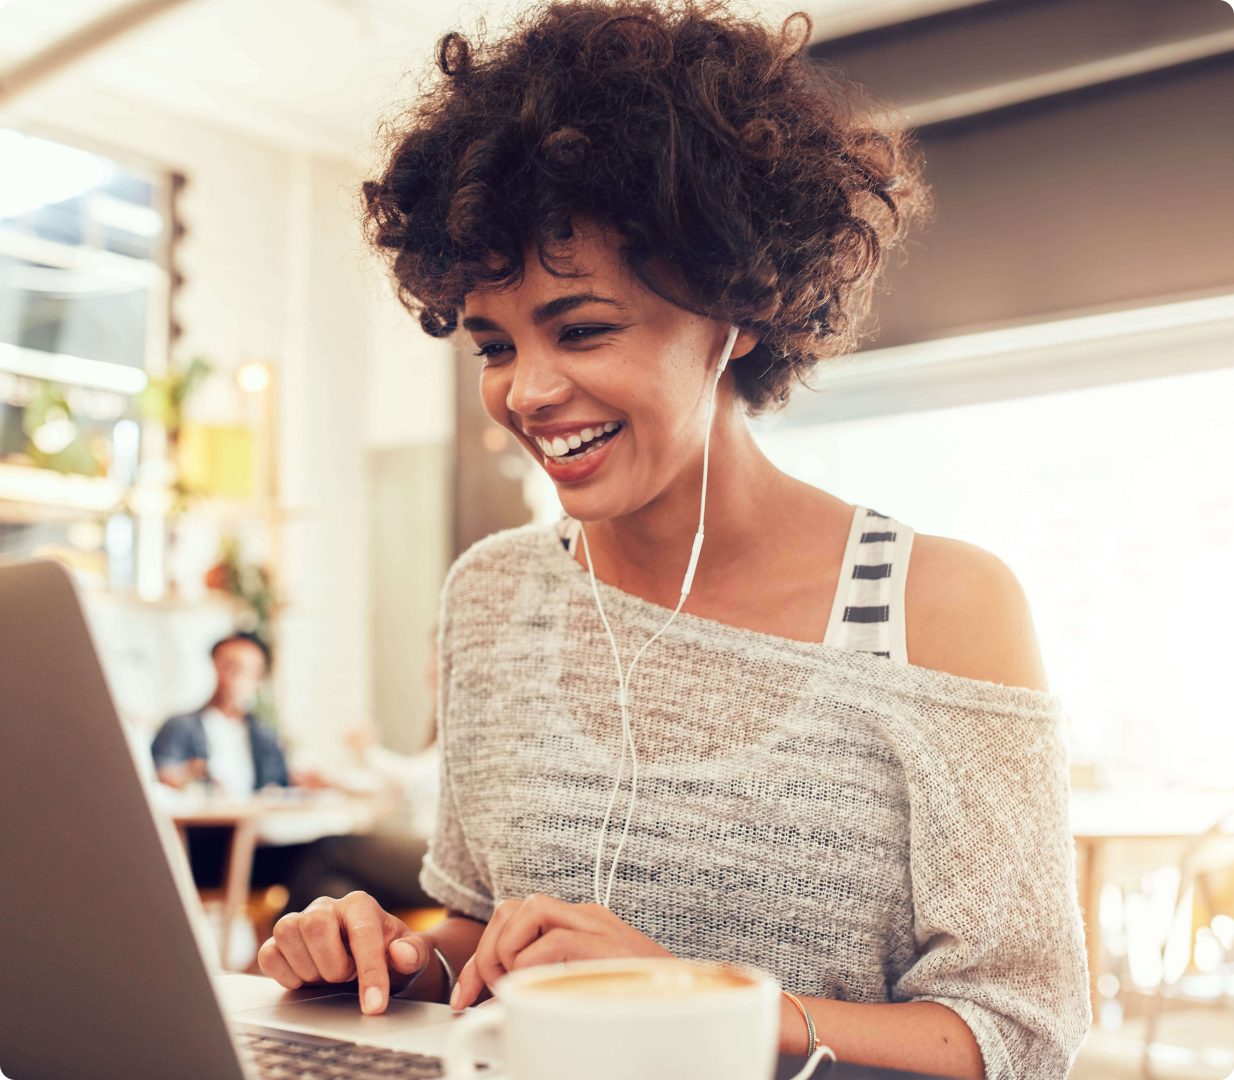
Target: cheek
493,396
494,389
671,419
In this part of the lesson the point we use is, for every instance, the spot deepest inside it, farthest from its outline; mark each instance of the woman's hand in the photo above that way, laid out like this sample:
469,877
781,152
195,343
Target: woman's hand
544,930
335,941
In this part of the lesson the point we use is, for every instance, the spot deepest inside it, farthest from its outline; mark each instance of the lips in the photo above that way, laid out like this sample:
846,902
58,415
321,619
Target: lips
573,470
556,441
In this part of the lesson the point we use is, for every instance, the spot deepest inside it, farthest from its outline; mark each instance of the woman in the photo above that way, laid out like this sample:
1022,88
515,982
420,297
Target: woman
849,775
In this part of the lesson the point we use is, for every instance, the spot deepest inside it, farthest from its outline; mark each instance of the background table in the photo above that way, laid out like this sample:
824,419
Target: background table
1132,832
280,820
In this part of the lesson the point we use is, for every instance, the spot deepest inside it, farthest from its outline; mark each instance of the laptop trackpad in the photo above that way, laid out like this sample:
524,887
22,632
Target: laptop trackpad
405,1025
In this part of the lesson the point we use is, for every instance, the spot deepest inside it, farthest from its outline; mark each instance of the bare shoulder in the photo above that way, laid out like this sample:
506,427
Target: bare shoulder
966,614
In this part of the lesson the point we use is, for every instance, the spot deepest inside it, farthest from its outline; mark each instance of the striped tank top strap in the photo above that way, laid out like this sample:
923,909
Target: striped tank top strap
567,533
868,613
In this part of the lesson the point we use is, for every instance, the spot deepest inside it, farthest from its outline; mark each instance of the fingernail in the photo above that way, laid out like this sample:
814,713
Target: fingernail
456,996
407,952
372,999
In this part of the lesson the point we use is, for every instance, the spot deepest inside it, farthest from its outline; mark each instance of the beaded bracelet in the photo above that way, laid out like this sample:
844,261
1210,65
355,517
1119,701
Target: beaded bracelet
806,1017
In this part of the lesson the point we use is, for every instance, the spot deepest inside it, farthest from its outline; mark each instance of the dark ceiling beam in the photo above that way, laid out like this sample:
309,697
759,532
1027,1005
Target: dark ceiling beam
1046,84
976,59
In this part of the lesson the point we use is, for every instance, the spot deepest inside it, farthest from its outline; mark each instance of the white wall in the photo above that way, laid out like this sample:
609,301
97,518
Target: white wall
276,271
410,434
411,383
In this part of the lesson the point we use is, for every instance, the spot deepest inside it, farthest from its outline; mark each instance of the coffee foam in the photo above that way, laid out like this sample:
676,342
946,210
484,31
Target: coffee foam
683,982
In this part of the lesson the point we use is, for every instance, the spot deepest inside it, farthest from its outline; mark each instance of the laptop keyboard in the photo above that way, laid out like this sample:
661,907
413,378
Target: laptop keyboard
313,1058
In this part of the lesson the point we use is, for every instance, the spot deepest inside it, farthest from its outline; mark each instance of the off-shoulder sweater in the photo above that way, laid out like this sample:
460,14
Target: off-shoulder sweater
866,830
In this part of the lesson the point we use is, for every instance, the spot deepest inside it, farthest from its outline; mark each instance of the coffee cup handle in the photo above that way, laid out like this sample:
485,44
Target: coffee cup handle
460,1046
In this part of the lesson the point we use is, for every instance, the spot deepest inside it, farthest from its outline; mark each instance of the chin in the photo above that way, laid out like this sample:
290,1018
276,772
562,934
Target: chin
582,508
590,506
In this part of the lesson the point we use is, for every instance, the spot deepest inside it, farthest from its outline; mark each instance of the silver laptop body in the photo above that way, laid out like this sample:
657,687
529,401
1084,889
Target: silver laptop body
102,973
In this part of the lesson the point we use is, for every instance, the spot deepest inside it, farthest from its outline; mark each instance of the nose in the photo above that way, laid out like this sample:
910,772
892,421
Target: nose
537,381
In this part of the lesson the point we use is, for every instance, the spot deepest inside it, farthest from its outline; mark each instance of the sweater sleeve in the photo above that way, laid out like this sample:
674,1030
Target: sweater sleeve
448,871
996,920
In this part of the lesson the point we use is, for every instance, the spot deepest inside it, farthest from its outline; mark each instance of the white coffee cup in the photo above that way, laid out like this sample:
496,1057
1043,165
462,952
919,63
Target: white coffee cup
626,1020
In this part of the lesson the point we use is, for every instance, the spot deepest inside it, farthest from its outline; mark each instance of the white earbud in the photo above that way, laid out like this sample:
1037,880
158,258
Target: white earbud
623,679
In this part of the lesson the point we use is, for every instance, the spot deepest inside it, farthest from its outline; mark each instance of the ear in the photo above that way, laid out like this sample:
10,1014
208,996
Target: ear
744,345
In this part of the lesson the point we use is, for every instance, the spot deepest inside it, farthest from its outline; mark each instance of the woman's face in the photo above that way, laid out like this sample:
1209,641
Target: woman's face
600,365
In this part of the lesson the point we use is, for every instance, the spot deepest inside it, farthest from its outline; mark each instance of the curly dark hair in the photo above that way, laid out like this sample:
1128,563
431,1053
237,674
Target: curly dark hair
717,149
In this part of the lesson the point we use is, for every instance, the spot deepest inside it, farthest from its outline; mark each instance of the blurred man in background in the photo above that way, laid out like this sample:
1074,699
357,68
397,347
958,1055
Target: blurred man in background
223,744
225,747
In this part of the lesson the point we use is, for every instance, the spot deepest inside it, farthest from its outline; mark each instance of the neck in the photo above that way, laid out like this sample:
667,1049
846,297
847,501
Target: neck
225,706
650,548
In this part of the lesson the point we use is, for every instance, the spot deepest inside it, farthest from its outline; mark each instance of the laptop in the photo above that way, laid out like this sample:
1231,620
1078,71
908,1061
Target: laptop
103,957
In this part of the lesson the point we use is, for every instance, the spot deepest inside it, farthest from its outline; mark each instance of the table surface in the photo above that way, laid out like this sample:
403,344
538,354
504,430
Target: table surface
244,996
300,814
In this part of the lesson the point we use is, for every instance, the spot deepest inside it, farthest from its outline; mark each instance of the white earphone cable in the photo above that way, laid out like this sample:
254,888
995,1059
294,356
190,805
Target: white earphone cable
807,1070
623,679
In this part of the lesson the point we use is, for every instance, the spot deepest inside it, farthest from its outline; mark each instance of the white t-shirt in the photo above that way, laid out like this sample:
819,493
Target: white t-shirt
230,759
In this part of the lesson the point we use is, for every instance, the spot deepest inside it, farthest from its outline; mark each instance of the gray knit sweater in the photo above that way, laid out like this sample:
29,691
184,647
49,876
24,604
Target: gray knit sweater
864,829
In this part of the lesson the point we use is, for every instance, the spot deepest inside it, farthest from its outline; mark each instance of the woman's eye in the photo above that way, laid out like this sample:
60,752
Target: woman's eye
493,348
581,333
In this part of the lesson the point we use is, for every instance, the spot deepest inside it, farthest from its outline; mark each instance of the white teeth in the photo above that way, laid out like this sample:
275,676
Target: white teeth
559,445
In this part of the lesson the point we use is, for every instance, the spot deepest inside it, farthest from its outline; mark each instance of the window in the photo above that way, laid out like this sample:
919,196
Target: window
84,286
1114,505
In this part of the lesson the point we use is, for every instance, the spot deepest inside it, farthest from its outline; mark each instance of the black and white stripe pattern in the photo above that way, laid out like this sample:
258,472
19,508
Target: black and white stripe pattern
868,613
567,532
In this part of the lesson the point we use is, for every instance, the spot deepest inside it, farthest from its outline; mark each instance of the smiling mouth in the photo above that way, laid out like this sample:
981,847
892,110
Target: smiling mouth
583,449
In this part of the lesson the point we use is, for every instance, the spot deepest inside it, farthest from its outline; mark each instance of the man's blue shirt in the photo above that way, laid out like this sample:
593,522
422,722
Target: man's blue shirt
183,737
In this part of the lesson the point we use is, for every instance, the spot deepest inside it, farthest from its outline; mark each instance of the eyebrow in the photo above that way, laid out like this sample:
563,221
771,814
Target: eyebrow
550,309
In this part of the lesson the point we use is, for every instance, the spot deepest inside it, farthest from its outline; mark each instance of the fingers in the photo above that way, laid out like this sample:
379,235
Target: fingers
545,930
364,923
555,947
319,931
467,987
272,963
295,952
338,940
514,927
406,952
484,968
535,917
